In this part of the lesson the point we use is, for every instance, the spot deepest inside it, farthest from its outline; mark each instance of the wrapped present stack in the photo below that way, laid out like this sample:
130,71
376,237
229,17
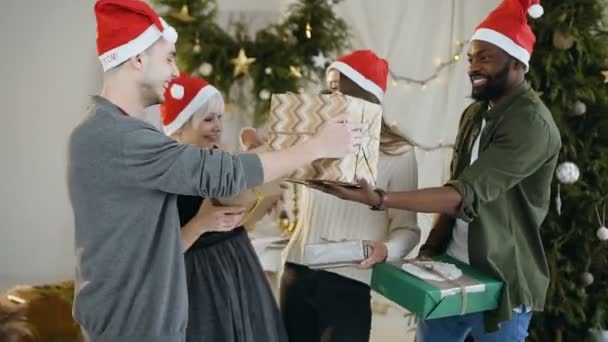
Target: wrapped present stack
439,288
295,118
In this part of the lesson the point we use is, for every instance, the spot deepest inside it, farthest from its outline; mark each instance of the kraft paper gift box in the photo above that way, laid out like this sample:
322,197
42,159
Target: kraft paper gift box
429,294
295,118
256,201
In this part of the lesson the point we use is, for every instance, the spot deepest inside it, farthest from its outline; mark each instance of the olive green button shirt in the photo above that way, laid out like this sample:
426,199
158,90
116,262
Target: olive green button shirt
506,194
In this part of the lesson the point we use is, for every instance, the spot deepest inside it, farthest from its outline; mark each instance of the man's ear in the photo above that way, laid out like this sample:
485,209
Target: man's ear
137,61
517,64
177,134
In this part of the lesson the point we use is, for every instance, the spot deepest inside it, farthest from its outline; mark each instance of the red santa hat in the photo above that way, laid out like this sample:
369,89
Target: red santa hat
366,69
183,98
507,27
126,28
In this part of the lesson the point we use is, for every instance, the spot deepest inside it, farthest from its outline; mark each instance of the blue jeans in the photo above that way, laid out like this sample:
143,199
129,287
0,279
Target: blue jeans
456,329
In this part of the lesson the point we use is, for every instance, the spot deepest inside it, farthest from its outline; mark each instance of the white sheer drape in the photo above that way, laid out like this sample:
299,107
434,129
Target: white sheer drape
415,36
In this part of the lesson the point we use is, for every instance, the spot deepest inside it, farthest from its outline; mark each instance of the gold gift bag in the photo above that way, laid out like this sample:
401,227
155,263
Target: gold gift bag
297,117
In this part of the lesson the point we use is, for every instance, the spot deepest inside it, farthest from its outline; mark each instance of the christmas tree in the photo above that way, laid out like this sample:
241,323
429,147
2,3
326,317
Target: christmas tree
280,58
569,70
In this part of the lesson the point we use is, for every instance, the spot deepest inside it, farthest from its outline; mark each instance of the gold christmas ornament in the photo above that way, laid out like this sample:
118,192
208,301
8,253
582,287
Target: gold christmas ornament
563,41
605,73
242,63
308,31
283,223
184,15
294,71
286,225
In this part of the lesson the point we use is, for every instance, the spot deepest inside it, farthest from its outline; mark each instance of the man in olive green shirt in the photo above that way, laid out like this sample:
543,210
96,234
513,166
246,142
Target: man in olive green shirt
491,210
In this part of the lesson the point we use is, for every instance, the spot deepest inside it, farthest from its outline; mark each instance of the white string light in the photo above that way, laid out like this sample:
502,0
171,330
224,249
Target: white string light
407,82
423,83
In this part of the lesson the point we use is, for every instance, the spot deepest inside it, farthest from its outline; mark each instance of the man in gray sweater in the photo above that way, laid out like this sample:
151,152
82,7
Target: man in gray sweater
124,175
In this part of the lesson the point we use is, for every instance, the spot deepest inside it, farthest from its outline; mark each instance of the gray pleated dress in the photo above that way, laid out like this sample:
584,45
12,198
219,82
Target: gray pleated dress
229,297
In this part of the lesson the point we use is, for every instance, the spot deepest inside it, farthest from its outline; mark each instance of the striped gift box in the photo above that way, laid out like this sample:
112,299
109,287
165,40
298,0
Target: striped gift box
295,118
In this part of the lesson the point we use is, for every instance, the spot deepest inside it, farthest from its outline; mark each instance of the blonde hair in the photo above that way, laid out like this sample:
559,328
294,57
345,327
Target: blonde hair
215,104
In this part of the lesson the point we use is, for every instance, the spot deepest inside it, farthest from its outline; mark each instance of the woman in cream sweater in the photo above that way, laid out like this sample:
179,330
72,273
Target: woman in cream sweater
333,304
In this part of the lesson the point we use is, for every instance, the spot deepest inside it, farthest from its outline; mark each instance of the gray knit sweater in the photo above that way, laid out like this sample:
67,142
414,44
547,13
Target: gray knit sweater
123,178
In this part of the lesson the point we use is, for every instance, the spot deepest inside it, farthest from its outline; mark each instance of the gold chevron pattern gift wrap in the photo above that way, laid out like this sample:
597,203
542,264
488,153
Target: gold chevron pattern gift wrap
295,118
256,201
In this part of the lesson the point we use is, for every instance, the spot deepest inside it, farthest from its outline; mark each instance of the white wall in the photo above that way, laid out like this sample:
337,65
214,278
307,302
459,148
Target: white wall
48,67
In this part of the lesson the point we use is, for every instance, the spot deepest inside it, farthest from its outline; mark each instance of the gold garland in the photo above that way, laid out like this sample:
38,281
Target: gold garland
285,224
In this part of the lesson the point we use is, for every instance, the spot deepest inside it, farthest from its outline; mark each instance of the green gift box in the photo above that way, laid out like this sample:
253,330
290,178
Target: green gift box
431,299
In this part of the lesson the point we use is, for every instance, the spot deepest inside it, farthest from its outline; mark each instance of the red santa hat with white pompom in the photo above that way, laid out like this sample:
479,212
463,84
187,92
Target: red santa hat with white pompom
183,98
507,27
126,28
366,69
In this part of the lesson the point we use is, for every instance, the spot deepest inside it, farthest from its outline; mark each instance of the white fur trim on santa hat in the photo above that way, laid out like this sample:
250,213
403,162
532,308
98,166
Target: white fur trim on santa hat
121,53
169,33
536,11
358,78
503,42
197,102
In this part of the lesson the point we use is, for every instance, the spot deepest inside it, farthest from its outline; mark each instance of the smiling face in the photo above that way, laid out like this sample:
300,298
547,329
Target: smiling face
492,71
157,68
204,129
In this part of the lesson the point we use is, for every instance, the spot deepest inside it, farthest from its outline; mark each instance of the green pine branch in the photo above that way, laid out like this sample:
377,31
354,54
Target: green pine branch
278,46
565,76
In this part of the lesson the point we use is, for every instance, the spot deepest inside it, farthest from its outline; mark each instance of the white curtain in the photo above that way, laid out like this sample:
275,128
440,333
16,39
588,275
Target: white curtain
415,36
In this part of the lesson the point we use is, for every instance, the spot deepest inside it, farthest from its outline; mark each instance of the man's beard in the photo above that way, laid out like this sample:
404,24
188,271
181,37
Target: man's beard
495,86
